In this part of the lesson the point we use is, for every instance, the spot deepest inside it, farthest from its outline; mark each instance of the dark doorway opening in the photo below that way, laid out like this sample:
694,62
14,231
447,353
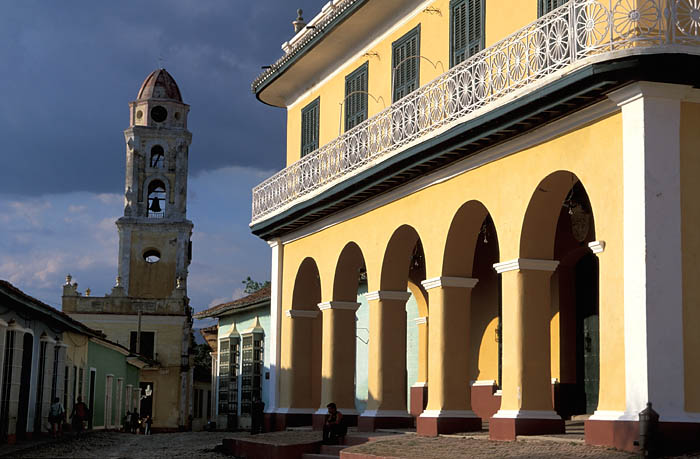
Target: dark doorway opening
91,406
6,384
26,379
146,409
587,334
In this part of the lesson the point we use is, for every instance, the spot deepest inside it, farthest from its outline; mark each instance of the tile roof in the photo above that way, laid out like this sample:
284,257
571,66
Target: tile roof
260,296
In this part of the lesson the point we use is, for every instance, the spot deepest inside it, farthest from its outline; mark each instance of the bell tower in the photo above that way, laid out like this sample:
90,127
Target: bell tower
154,234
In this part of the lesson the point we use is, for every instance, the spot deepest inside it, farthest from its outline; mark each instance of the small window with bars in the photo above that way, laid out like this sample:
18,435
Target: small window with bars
356,97
309,127
405,64
545,6
251,375
228,381
466,29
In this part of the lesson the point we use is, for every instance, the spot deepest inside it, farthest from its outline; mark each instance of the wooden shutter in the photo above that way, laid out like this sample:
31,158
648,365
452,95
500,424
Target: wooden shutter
467,29
309,127
406,63
545,6
356,97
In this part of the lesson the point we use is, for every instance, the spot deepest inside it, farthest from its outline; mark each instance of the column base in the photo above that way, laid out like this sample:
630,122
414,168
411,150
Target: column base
434,423
349,418
369,421
292,417
419,398
485,401
672,438
507,425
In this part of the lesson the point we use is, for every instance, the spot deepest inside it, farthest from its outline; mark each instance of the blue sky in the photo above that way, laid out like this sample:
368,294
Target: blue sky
69,71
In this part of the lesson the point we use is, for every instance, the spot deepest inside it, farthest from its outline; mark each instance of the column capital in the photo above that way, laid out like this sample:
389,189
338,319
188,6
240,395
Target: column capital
635,91
3,323
387,295
444,281
273,243
597,246
342,305
301,314
421,321
526,264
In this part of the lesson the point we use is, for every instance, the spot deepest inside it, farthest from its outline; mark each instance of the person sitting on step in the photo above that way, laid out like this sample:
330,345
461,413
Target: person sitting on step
334,428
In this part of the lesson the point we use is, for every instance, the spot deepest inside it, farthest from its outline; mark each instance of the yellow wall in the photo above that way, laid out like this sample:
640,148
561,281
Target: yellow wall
505,188
503,17
690,242
152,280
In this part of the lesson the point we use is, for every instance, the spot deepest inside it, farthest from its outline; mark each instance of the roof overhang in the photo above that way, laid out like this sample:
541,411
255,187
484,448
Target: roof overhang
234,309
324,48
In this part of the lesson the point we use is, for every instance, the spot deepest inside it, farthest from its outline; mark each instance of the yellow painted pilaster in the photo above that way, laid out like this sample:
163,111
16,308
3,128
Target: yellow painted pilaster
296,389
338,356
526,334
387,348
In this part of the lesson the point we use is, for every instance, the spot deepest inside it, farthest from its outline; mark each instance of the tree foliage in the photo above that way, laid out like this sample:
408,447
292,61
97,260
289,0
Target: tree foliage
252,286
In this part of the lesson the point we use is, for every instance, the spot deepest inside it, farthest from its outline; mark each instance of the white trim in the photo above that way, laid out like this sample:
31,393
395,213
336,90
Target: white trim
555,380
420,384
498,393
520,143
342,305
295,411
385,414
301,314
387,295
421,321
597,246
653,281
527,414
467,414
275,349
483,382
443,281
47,339
602,415
528,264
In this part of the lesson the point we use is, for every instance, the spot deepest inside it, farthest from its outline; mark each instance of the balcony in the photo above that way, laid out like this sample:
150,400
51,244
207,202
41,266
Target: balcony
576,35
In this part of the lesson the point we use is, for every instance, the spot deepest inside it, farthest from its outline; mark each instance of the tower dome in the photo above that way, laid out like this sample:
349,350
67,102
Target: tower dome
159,85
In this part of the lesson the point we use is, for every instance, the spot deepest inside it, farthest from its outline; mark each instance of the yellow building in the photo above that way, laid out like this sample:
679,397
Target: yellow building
148,309
523,173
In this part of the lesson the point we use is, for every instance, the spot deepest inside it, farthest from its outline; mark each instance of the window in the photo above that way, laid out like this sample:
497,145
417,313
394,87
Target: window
198,400
228,380
156,199
309,127
467,29
356,97
147,344
405,64
157,157
545,6
108,400
251,375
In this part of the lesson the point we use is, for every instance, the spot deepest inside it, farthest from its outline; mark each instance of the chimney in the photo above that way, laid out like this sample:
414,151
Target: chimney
299,24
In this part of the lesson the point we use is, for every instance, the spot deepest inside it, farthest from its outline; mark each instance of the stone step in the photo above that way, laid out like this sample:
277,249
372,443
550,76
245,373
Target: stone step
319,456
352,440
333,450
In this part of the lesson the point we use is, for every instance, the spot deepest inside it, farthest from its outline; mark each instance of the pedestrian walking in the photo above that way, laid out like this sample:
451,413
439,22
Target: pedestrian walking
57,415
148,423
135,422
79,416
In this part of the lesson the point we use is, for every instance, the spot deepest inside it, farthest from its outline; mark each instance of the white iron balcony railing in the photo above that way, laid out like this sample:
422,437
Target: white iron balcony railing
574,32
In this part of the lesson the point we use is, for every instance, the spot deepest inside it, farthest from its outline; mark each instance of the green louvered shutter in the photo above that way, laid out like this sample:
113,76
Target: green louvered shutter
309,127
467,26
356,97
406,63
545,6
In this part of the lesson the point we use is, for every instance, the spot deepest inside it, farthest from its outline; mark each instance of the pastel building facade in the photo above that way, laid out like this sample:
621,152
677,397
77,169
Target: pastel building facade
523,172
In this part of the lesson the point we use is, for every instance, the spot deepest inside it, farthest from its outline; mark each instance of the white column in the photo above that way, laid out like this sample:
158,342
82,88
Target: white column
653,295
275,323
3,330
48,379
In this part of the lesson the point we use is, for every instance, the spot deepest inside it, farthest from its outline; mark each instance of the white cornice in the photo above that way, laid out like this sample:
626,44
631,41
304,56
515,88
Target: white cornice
421,321
526,414
597,246
458,282
635,91
301,314
342,305
526,264
483,382
387,295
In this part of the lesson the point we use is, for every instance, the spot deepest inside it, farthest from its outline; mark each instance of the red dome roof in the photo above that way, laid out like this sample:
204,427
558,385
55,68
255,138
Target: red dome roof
159,85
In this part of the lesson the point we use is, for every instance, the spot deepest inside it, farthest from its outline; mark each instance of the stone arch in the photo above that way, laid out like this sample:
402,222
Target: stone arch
302,335
348,270
403,249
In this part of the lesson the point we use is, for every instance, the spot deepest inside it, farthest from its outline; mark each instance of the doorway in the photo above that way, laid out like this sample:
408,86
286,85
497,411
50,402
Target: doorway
146,408
91,388
587,333
26,379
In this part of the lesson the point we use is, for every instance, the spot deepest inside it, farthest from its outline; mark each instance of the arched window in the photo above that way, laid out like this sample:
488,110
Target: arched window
157,157
156,199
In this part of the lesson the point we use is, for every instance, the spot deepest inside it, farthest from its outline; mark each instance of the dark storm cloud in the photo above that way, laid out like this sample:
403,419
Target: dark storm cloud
68,70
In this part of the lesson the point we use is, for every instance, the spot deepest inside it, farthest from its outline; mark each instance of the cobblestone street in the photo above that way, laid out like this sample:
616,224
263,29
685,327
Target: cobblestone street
105,445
